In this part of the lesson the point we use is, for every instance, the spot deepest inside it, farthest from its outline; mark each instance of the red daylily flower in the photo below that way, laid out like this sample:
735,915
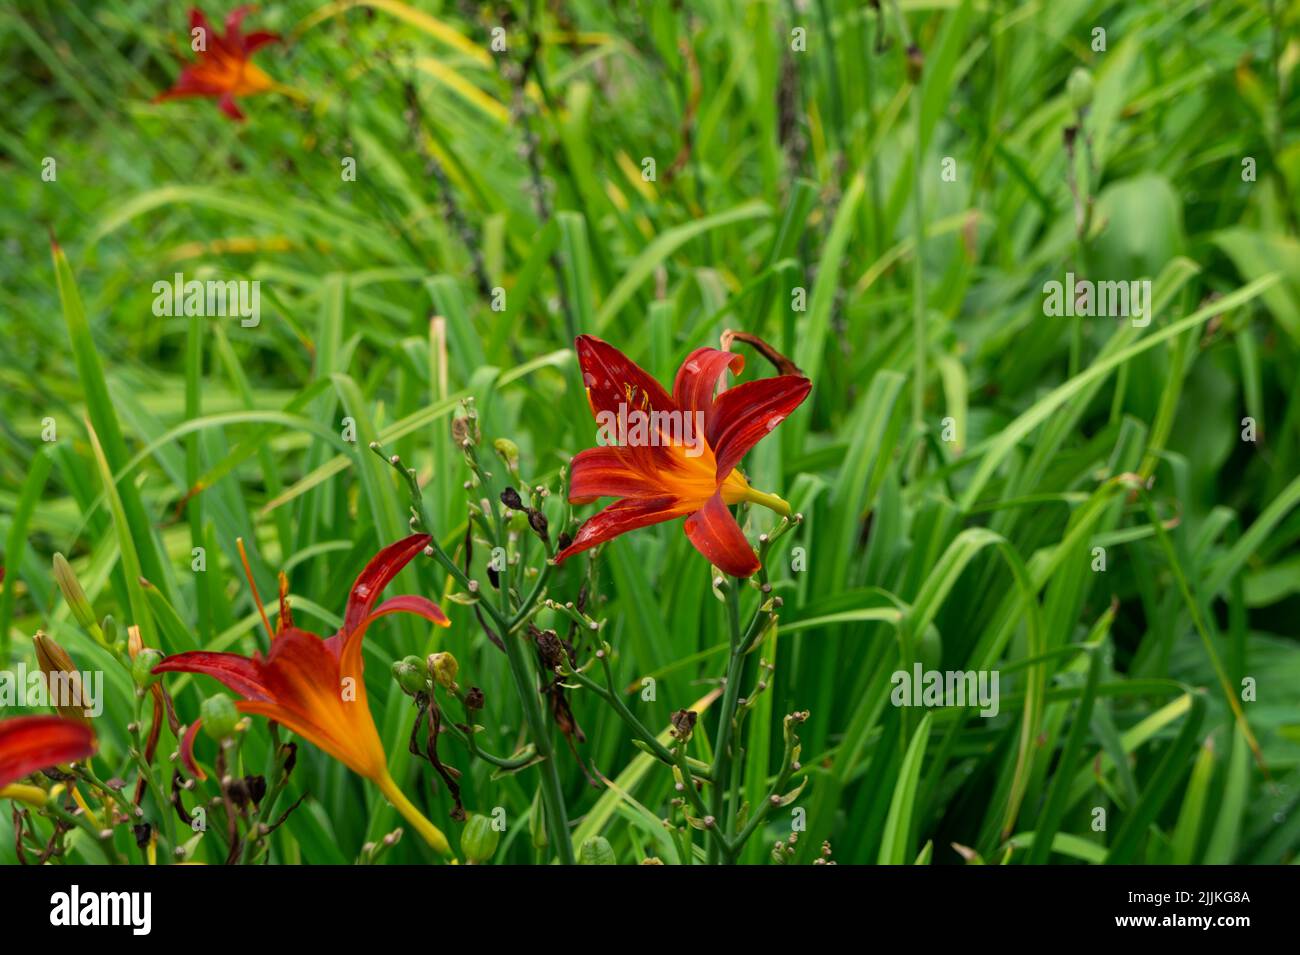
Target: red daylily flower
666,477
314,686
29,743
224,68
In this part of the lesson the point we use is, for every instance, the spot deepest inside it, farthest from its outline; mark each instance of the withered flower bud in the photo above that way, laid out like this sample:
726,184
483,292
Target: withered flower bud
444,668
474,699
143,831
256,786
565,540
290,751
537,521
464,429
549,649
915,60
237,790
511,499
684,724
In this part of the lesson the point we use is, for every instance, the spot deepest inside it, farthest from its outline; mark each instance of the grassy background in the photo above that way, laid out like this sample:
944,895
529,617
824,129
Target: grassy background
775,170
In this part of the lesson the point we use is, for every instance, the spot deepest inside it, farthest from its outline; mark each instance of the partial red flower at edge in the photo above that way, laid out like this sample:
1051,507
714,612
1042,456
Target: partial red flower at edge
658,481
300,682
224,68
30,743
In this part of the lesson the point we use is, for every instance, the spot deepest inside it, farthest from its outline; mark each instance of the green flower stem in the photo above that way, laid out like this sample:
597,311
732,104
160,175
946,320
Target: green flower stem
163,804
718,844
279,779
639,729
557,820
80,821
760,812
526,756
731,693
531,599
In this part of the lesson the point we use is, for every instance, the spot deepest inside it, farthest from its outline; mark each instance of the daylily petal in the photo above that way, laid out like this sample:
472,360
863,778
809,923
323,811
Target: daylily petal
233,19
378,574
609,472
305,726
258,39
611,379
745,414
619,517
199,21
319,699
717,536
241,674
187,751
698,377
230,107
29,743
411,603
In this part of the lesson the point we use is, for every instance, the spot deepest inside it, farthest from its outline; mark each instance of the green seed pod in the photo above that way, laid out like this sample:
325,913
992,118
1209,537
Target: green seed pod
478,841
596,851
142,667
219,716
410,674
1079,88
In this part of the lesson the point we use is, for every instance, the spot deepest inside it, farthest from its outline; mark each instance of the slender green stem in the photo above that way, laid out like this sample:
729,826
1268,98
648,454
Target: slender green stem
531,599
718,844
162,804
760,811
528,754
639,729
557,820
731,693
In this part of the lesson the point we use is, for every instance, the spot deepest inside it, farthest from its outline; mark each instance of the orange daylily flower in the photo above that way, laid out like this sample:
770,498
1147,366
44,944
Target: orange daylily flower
29,743
224,68
315,687
673,470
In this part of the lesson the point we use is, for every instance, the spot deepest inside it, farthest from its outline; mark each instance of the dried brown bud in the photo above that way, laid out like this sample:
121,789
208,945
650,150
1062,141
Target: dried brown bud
474,699
915,61
511,499
684,724
549,649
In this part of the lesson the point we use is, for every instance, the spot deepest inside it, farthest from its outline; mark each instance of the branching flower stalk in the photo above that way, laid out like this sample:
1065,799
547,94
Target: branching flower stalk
507,616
